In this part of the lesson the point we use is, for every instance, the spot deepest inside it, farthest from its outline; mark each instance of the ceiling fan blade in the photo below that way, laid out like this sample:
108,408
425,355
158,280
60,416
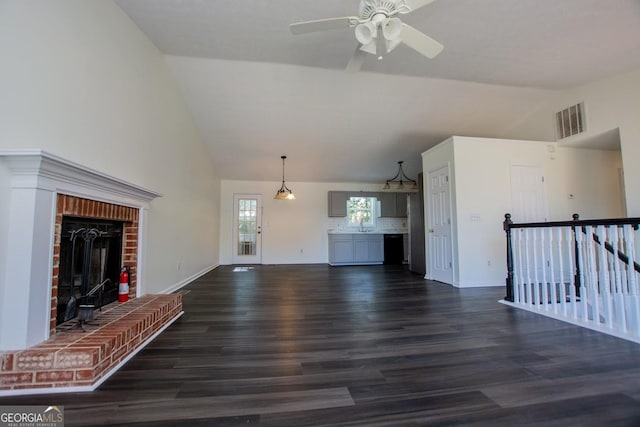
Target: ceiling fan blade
323,25
420,42
357,60
416,4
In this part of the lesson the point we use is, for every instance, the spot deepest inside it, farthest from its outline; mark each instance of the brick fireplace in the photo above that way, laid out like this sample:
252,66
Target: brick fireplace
40,184
78,207
44,189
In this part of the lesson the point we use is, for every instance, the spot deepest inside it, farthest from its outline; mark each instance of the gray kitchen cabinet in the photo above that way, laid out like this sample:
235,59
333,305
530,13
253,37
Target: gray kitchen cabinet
356,248
338,203
401,205
340,249
368,248
360,250
387,204
393,205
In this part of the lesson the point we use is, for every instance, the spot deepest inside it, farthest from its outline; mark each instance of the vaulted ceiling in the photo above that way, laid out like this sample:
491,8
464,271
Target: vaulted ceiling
256,91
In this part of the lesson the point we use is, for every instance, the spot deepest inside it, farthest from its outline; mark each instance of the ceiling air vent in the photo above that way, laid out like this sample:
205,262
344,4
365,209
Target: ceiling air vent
570,121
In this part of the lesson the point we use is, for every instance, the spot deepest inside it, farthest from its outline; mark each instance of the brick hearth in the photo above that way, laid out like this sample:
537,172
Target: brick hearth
78,359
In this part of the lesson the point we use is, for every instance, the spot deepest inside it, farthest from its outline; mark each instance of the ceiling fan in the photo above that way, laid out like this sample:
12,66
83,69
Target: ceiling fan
378,30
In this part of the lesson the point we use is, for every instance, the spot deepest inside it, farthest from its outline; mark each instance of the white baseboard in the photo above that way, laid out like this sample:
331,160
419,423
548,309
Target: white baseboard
189,279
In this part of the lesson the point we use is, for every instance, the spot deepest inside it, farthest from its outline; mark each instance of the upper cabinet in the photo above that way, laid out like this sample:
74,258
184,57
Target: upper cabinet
387,204
338,203
401,204
392,204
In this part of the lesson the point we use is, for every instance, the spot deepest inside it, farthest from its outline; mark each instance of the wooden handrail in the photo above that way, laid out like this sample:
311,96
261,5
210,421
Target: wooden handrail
635,222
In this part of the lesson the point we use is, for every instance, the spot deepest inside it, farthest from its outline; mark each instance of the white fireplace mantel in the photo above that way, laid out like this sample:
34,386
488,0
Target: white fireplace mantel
25,286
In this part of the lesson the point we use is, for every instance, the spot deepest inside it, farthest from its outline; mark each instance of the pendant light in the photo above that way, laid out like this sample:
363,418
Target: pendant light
401,179
284,193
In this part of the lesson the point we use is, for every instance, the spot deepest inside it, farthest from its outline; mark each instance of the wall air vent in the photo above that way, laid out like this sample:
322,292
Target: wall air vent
570,121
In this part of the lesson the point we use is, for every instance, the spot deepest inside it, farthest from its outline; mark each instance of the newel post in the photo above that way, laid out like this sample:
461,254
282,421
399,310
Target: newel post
509,280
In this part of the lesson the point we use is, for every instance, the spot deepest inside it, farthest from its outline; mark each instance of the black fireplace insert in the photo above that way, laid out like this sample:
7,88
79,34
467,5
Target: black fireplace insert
90,263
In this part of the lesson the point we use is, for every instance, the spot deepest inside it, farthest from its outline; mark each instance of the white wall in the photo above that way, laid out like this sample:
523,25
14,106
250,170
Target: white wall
293,232
5,193
481,188
80,80
610,103
591,177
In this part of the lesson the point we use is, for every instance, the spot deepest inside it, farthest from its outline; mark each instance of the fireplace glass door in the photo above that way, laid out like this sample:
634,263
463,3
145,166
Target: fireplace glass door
90,263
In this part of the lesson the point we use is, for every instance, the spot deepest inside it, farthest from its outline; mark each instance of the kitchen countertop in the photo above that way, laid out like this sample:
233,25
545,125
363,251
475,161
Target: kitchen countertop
374,231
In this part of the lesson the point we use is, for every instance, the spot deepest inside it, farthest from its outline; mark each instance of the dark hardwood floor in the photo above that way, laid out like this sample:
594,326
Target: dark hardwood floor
311,345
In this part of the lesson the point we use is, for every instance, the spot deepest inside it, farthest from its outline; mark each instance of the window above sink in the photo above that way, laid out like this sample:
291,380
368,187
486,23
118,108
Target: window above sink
362,212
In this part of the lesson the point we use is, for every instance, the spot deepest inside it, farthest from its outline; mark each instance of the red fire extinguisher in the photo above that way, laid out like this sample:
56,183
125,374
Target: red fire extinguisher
123,289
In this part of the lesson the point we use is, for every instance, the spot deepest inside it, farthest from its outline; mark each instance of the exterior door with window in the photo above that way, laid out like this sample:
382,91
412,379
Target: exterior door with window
439,234
247,229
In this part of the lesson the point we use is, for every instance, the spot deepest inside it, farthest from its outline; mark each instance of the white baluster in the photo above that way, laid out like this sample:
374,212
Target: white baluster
617,286
553,286
581,276
529,285
544,265
516,244
633,282
604,278
563,291
624,271
536,268
590,286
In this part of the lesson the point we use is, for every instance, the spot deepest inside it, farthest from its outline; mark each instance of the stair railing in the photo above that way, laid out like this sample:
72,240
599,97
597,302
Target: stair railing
583,271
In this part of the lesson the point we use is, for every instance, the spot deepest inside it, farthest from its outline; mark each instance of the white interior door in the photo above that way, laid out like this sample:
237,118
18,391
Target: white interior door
528,194
529,204
247,228
439,244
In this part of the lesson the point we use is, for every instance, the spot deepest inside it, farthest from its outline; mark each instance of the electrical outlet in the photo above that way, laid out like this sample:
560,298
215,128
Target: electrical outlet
489,263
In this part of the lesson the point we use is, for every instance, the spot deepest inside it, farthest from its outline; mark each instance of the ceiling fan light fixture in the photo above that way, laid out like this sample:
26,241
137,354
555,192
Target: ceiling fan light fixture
378,29
365,32
392,29
284,193
369,48
392,44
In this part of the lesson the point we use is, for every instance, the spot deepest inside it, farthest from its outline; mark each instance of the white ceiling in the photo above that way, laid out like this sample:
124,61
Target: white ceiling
257,92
